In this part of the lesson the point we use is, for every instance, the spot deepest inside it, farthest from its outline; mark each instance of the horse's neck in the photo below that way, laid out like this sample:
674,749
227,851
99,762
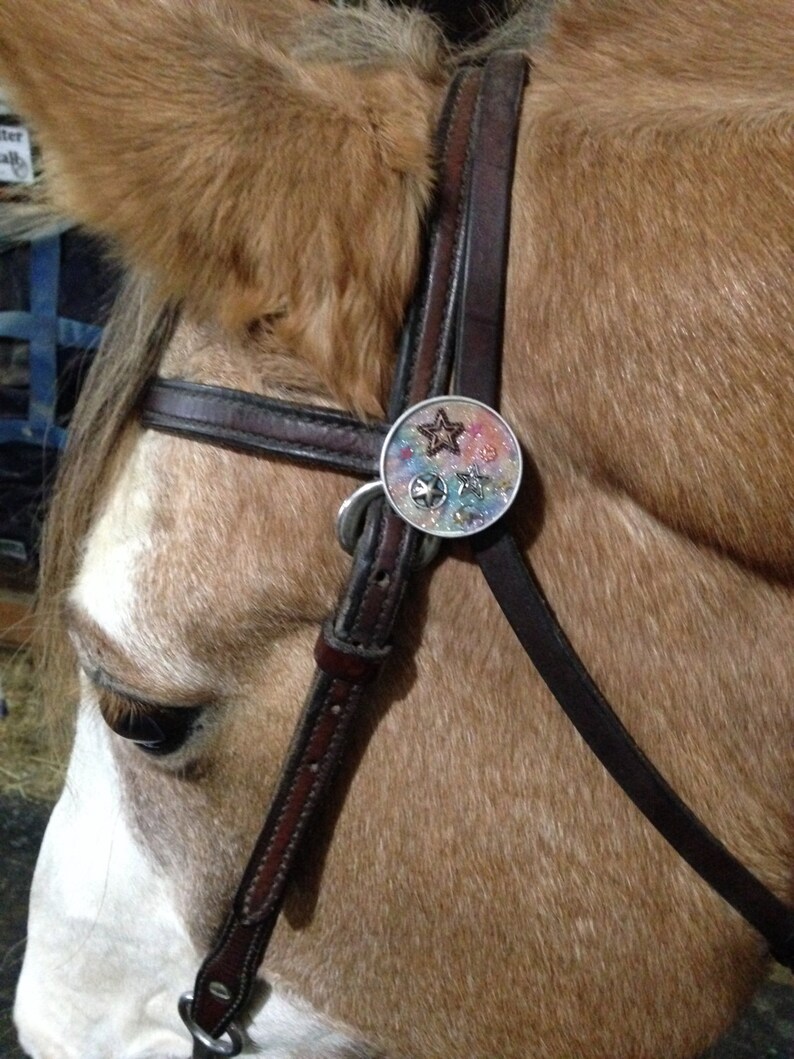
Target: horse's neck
648,341
647,367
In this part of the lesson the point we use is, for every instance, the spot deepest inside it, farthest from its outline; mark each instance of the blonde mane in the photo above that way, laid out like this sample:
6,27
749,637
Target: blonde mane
135,337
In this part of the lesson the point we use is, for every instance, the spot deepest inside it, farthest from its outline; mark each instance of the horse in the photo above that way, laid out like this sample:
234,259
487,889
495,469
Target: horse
477,885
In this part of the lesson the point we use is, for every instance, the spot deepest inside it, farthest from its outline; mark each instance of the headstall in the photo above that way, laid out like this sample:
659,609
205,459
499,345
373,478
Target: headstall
447,465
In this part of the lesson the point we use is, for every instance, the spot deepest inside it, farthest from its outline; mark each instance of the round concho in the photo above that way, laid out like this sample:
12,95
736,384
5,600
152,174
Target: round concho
451,466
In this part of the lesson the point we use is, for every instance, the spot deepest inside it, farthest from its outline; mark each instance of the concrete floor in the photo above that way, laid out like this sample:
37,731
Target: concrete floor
767,1032
21,827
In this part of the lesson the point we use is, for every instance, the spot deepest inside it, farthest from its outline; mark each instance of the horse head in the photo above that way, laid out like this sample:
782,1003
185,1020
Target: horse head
477,885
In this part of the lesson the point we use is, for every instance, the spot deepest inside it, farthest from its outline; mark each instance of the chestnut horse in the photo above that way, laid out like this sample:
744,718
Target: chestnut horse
480,887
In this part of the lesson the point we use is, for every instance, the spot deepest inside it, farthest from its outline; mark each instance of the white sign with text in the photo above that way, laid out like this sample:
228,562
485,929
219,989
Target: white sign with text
16,158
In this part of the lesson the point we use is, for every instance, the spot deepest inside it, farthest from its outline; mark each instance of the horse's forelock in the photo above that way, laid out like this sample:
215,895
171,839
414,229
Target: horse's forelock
136,335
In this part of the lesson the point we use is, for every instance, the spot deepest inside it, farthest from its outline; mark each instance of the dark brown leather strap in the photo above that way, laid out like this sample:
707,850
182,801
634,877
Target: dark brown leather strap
481,308
425,360
350,649
525,607
478,366
250,423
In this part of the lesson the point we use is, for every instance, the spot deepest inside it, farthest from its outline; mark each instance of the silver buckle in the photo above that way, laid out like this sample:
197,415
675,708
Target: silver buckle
204,1046
350,520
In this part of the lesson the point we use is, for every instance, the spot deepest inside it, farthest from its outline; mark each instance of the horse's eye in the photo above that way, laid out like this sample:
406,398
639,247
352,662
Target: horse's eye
155,729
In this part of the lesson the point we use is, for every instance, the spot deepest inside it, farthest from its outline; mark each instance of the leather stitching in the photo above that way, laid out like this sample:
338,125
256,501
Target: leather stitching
451,129
253,436
277,410
348,705
243,939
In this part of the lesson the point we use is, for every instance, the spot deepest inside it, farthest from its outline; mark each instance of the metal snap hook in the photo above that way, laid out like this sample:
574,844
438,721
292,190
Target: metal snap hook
204,1046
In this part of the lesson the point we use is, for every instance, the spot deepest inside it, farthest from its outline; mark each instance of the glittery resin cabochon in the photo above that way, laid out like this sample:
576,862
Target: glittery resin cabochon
451,466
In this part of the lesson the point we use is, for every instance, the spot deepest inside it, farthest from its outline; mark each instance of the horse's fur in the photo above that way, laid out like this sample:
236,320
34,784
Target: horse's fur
648,372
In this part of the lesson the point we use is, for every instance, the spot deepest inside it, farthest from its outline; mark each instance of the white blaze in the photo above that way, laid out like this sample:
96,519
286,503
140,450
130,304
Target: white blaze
118,541
108,954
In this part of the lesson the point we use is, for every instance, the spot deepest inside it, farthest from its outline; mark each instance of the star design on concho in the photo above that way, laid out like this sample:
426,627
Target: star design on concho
471,481
428,491
442,433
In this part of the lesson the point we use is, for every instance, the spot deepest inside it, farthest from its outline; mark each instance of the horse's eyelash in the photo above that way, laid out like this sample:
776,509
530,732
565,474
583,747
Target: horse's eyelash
115,702
114,706
159,730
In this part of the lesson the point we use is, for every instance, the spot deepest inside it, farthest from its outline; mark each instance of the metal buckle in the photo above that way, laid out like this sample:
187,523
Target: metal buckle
351,518
204,1046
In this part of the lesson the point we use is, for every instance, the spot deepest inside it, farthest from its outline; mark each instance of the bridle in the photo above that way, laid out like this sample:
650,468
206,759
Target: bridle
449,366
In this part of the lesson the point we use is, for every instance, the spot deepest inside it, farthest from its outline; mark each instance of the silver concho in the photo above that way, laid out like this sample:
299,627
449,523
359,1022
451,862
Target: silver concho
428,491
451,466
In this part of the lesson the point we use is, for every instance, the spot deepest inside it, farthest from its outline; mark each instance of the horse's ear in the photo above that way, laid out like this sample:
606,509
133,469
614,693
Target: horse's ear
252,183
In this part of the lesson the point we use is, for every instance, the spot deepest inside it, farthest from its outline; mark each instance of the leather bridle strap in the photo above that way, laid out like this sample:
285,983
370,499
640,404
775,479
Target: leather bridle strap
250,423
510,578
352,647
522,600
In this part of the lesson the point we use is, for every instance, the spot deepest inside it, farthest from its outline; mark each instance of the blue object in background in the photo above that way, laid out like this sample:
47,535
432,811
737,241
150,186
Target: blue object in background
55,293
44,331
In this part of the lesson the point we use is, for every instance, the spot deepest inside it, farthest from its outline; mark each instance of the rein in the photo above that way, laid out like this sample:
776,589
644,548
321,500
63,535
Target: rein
456,322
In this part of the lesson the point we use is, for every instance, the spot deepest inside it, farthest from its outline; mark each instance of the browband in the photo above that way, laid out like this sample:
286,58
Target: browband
247,422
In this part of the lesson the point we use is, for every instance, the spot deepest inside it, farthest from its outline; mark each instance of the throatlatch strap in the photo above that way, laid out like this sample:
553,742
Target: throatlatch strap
525,607
478,372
